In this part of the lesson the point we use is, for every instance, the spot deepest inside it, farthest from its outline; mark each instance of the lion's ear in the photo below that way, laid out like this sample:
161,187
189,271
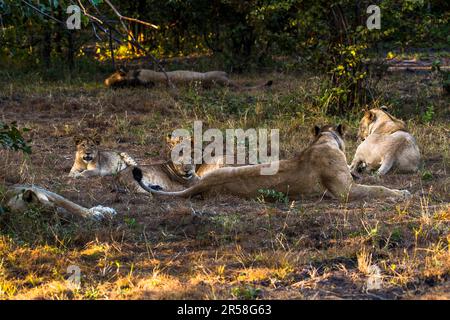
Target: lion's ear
384,108
316,130
341,129
77,139
169,138
122,71
30,197
97,139
369,115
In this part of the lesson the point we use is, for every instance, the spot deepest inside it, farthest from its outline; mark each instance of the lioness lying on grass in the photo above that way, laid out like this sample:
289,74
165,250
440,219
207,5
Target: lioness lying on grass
148,78
90,161
19,198
175,174
170,175
200,169
386,145
321,166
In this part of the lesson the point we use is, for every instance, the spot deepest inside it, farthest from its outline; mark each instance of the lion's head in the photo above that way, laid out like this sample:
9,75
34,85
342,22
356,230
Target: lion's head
87,147
117,79
364,124
380,118
180,152
337,132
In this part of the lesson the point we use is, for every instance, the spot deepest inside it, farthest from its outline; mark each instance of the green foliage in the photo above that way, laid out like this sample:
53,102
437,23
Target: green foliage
11,138
347,74
274,195
427,175
228,222
131,222
246,292
428,116
240,34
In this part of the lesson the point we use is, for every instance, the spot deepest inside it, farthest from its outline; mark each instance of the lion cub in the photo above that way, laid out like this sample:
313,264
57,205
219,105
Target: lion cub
175,174
386,145
200,169
90,161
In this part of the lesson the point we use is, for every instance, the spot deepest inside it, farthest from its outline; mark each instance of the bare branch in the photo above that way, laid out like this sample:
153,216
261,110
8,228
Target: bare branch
130,19
137,45
89,15
42,12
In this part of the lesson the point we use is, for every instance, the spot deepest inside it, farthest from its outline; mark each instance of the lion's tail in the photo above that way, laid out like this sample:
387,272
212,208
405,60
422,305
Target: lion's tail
137,175
211,180
128,159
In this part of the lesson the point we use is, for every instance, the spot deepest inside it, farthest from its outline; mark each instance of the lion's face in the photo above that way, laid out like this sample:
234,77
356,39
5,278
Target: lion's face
364,124
182,161
87,148
116,79
185,170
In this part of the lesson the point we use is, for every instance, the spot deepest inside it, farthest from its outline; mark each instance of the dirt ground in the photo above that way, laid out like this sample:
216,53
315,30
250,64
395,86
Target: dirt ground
222,247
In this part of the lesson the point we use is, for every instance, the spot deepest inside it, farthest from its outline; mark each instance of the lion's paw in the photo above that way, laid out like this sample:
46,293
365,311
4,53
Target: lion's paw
99,212
75,175
405,194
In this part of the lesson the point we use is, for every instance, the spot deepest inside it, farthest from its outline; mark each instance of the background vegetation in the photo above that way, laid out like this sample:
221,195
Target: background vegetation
237,36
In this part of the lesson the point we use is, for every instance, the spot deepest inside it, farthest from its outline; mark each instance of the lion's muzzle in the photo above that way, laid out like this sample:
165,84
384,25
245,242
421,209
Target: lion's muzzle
88,158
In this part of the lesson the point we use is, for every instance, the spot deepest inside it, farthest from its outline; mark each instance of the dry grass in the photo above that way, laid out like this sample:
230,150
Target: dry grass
223,247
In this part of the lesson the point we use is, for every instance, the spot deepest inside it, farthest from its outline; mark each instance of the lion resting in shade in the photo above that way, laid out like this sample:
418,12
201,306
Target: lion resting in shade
148,78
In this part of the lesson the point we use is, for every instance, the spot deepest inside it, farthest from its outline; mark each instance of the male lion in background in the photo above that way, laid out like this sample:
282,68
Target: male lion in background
148,78
90,161
320,167
386,145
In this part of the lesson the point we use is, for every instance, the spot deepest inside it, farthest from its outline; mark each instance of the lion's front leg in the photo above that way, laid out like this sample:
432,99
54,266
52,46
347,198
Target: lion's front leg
342,186
74,173
359,191
90,173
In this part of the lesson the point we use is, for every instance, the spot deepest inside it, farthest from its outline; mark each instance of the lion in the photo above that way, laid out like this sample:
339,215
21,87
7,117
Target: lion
90,161
158,176
386,145
200,169
148,78
321,167
176,173
20,197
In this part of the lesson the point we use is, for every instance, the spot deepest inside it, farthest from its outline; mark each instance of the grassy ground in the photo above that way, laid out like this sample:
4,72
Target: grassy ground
222,247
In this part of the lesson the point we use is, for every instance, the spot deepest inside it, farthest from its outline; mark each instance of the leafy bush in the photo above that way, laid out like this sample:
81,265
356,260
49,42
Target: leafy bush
11,138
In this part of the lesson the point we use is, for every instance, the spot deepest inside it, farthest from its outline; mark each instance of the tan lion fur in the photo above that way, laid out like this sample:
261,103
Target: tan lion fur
386,145
19,198
145,77
91,161
320,167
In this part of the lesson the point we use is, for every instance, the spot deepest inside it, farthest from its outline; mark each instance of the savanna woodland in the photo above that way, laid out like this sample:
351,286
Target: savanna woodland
329,63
